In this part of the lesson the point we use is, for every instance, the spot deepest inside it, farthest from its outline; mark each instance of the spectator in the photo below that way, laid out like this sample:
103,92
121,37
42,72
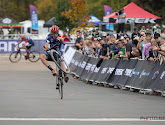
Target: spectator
85,35
103,51
161,50
93,31
124,34
135,34
1,33
136,53
121,20
141,42
97,49
88,50
153,55
112,39
65,37
97,34
79,42
11,32
128,48
116,47
143,29
147,46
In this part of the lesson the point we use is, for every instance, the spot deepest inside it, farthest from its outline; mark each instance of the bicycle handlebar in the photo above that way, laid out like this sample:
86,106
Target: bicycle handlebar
54,45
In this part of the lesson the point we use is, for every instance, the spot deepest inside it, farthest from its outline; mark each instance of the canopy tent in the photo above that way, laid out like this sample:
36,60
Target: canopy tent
135,14
95,20
7,21
50,22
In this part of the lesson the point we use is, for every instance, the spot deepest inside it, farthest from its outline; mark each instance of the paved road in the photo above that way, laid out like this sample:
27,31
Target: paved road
30,93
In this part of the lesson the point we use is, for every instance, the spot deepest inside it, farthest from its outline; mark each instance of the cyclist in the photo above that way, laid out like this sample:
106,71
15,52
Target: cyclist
53,38
28,44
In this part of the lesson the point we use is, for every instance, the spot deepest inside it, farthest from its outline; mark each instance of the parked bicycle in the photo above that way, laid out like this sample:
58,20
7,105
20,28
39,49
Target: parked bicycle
58,59
15,56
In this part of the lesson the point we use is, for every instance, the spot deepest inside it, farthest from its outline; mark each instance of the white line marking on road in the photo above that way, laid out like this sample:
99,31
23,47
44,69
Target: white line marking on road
76,119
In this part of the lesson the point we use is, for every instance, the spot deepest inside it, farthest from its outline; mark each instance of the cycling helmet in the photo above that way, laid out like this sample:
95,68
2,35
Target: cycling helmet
23,37
54,29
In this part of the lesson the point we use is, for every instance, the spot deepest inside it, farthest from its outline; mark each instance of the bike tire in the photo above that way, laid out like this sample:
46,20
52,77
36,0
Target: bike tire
15,56
34,56
61,60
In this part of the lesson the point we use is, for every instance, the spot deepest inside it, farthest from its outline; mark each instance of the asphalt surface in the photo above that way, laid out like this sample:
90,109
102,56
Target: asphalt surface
27,90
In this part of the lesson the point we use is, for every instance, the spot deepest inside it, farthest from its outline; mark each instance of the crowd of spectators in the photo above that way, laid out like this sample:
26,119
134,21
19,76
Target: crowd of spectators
146,43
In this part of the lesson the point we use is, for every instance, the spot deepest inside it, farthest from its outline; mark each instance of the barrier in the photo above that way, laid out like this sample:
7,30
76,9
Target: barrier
139,74
7,46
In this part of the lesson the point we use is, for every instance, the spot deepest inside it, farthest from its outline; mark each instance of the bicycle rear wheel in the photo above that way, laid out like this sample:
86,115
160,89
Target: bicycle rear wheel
54,53
15,56
34,56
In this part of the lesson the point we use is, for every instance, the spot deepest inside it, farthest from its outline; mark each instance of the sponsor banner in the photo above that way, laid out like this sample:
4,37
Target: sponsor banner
133,20
89,68
128,68
122,72
68,55
77,64
7,46
108,10
140,73
34,19
106,70
156,79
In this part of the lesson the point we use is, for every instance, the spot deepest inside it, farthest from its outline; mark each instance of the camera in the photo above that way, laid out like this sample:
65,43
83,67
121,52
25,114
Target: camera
119,12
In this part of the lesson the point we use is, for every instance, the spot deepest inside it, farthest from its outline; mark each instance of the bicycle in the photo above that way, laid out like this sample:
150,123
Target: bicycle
15,56
58,59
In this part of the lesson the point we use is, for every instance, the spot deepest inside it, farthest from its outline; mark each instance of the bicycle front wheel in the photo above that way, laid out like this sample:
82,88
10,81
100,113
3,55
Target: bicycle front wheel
54,54
15,56
34,56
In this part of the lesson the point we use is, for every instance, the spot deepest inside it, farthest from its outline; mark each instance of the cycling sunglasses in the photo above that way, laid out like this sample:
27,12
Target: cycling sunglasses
56,33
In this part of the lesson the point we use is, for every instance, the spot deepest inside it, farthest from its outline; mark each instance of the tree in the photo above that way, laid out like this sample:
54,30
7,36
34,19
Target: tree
97,7
77,14
46,8
17,9
62,21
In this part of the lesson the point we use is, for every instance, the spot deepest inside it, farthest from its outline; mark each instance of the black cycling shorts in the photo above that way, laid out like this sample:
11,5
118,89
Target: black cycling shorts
29,46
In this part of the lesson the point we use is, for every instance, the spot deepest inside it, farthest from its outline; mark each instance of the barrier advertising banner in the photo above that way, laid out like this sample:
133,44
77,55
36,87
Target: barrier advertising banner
134,73
7,46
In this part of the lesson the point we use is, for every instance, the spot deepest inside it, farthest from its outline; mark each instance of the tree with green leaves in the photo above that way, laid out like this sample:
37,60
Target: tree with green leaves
46,8
60,20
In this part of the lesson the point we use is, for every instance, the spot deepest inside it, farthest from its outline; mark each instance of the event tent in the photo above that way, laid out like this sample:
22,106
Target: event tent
50,22
7,21
95,20
135,14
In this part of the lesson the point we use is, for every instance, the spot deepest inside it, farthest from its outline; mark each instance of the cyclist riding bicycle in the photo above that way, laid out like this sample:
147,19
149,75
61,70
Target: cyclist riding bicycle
53,38
28,44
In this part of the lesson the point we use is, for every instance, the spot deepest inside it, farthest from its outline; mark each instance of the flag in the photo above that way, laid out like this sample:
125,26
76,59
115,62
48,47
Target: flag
34,19
108,11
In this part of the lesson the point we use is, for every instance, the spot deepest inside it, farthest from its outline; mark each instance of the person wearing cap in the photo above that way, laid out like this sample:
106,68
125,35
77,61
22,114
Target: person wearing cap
135,34
124,34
